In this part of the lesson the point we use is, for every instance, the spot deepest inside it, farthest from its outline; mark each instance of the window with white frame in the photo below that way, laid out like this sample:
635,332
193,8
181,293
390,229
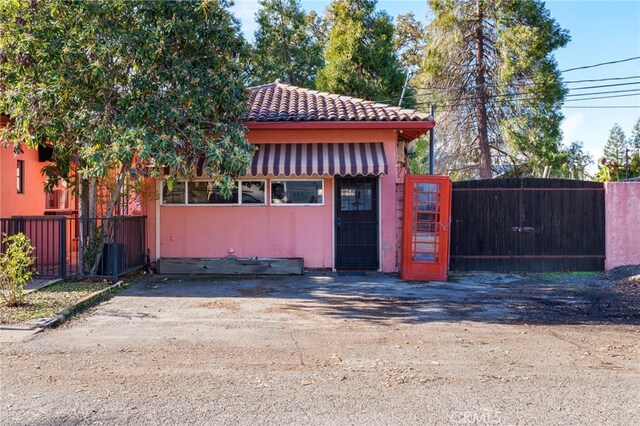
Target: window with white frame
206,193
297,191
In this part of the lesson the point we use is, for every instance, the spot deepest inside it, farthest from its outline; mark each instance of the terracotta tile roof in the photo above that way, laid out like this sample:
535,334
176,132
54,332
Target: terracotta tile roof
283,102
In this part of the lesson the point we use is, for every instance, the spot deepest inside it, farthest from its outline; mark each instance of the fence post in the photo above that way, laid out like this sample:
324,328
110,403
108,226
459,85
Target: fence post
115,253
63,247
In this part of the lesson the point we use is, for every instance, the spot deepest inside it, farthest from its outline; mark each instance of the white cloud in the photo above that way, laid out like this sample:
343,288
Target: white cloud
245,11
571,127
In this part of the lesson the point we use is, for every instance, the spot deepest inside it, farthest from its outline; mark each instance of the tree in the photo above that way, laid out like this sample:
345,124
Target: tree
409,42
123,84
616,146
573,161
360,59
634,138
490,68
285,45
621,156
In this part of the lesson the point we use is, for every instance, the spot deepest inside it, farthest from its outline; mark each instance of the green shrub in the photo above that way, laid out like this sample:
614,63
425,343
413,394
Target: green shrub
16,267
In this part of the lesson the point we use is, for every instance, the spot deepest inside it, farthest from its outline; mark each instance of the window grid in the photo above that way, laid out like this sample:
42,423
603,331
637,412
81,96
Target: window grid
425,238
238,195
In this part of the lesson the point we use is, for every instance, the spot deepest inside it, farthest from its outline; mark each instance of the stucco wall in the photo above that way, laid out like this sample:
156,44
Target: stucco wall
263,231
276,231
622,209
32,201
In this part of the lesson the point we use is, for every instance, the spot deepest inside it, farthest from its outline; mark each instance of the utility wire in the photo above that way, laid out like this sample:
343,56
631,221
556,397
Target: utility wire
562,71
467,102
601,64
603,106
532,97
441,92
604,97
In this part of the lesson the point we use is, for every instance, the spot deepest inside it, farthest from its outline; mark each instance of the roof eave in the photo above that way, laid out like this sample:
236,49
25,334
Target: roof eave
340,125
410,130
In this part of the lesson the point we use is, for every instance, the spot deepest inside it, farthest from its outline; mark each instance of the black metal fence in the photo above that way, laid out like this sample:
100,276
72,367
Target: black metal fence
110,247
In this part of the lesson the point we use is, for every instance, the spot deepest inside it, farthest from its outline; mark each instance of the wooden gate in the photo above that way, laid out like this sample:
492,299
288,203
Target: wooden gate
528,225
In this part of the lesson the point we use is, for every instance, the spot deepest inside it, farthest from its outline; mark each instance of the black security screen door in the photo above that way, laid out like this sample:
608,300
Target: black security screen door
356,222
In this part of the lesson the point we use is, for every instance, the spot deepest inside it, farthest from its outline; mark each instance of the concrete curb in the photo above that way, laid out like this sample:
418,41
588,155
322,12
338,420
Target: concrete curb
69,310
50,283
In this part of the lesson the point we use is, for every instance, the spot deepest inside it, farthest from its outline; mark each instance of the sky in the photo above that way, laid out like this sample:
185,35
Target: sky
600,30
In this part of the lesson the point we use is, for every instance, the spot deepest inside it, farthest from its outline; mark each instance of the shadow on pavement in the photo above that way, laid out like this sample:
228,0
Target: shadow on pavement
483,297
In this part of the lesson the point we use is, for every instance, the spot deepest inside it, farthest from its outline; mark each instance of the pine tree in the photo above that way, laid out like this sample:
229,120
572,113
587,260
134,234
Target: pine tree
634,139
489,66
360,59
409,42
616,146
285,46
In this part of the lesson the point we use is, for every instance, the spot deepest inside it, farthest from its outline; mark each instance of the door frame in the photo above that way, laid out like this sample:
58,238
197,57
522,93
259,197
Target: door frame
334,238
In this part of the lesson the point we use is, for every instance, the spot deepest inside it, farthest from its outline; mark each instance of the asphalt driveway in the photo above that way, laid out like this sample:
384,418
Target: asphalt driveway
328,349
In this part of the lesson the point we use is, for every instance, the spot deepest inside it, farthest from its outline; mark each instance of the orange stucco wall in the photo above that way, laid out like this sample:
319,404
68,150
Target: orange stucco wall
275,231
622,232
32,201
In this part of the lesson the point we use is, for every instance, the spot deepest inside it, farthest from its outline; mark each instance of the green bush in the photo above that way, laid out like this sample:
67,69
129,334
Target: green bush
16,267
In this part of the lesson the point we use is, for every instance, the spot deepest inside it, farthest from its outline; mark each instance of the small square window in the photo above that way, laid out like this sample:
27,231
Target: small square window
20,176
174,195
203,192
297,192
253,192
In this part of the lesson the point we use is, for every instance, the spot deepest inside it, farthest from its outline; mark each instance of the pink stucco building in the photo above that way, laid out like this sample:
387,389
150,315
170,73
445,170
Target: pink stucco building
622,200
22,183
324,185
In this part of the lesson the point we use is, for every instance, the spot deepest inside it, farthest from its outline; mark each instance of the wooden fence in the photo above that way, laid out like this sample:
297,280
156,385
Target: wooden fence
528,225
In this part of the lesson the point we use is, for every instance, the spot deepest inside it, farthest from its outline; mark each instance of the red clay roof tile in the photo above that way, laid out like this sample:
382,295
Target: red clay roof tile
283,102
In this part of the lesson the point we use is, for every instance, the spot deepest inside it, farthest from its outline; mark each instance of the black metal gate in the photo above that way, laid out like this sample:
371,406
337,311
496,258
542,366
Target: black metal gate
356,222
55,240
527,224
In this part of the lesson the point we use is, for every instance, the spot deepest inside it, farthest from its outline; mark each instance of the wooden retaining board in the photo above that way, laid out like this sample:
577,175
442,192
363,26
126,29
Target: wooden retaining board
231,266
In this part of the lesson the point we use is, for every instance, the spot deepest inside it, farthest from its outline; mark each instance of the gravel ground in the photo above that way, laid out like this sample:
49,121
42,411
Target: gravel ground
324,349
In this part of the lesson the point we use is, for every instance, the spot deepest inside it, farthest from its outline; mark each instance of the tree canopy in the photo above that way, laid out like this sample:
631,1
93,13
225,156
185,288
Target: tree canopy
616,146
360,59
489,67
634,138
285,45
123,84
109,82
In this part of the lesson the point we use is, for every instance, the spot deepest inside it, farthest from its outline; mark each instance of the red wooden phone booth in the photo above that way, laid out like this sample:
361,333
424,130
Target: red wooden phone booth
425,227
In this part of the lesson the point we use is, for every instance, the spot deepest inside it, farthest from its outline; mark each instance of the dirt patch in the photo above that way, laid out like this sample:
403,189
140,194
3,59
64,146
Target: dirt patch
334,351
219,304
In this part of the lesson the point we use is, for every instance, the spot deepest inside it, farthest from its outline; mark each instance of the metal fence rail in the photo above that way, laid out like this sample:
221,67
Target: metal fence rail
56,241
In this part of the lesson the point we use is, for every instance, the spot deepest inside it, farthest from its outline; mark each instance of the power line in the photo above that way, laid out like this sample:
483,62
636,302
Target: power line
607,92
602,106
604,85
442,91
593,80
534,98
562,71
604,97
601,64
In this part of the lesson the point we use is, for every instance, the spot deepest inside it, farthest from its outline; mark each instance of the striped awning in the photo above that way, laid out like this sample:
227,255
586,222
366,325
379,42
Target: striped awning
324,159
